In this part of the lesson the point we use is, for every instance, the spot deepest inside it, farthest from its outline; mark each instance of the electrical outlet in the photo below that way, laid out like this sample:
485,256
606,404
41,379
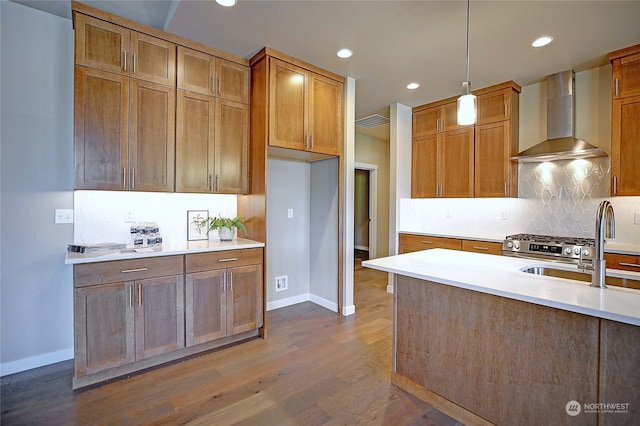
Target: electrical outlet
503,215
636,220
129,217
290,213
64,216
282,283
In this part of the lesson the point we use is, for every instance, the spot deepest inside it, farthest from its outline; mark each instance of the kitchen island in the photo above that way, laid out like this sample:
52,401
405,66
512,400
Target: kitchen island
487,343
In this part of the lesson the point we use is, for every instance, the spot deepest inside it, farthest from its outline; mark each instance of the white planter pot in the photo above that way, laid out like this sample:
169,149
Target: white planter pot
226,234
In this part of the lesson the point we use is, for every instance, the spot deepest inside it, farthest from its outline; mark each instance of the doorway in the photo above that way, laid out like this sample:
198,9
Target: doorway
365,208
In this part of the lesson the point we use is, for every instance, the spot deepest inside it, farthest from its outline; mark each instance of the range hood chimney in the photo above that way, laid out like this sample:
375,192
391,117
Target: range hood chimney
561,143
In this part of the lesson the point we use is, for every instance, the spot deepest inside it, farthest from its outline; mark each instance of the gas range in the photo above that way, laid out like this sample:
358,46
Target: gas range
549,247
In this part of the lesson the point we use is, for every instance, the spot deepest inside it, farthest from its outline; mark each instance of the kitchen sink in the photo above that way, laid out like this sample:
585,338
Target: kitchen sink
580,276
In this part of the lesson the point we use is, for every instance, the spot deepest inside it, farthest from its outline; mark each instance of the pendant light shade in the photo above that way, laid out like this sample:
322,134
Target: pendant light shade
467,103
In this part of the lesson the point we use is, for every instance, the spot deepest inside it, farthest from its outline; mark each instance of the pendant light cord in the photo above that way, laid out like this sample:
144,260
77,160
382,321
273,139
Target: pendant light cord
468,5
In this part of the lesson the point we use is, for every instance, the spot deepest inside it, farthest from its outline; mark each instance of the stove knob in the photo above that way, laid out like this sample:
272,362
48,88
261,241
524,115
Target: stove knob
576,251
509,244
586,253
567,250
516,245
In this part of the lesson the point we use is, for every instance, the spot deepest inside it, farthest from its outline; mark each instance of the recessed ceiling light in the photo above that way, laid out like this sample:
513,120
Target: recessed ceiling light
542,41
227,3
344,53
413,86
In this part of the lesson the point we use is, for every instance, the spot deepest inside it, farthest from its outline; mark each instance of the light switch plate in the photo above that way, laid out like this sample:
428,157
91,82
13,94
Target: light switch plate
637,218
64,216
290,213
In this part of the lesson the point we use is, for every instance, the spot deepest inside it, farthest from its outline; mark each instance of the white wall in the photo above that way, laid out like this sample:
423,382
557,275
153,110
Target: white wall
37,177
374,151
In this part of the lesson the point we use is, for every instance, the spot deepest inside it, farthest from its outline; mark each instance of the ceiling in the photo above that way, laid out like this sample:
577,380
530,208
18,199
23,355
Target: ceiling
398,42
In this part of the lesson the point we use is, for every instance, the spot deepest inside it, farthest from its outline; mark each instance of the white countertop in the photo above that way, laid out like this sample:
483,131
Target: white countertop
503,276
186,247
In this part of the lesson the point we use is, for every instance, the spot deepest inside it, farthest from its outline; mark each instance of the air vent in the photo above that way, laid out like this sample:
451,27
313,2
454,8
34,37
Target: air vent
371,121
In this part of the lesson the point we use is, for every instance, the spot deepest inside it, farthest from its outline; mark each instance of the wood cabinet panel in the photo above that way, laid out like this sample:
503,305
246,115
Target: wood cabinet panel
626,73
233,81
288,105
101,122
199,262
103,327
627,262
153,59
195,139
101,45
206,307
492,167
159,316
482,247
86,274
425,242
231,153
244,299
426,122
152,137
424,167
196,71
494,107
457,163
625,149
325,115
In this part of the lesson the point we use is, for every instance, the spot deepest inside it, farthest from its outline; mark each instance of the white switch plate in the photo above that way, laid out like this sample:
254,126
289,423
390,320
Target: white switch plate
64,216
129,217
290,213
637,218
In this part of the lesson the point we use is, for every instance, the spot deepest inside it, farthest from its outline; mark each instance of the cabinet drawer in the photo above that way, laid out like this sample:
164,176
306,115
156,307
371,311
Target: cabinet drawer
222,259
87,274
627,262
427,242
482,247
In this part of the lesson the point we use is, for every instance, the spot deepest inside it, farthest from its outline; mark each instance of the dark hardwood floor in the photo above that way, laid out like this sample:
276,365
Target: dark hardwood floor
315,368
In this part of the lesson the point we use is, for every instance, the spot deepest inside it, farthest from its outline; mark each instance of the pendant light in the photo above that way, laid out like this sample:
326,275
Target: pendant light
467,109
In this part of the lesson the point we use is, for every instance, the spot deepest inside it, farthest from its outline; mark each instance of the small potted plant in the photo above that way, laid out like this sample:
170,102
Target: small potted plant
224,225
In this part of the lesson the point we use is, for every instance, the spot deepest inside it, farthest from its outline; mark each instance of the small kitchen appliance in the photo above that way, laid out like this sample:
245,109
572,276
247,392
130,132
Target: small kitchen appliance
574,250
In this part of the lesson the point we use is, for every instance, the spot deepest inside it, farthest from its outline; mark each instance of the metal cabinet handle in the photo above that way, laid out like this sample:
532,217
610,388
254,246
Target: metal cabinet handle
131,296
230,281
126,271
506,114
134,63
217,183
224,283
124,178
617,91
426,242
139,294
133,177
615,184
505,188
209,180
635,265
231,259
125,60
219,83
311,140
213,84
480,248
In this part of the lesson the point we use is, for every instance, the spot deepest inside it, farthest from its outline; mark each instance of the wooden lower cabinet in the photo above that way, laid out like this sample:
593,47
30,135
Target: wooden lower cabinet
482,247
414,242
127,318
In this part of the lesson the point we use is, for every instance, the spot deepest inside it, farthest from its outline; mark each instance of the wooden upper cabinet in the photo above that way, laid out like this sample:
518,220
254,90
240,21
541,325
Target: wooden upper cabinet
626,72
151,137
625,146
456,160
232,81
426,122
153,59
195,136
424,167
494,106
108,47
196,71
493,169
288,105
231,147
325,114
101,125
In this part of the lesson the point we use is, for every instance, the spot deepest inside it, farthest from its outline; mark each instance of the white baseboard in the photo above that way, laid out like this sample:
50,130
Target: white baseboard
348,310
35,362
365,248
276,304
332,306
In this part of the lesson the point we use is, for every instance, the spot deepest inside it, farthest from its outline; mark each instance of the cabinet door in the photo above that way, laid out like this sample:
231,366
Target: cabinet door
457,163
626,76
625,146
426,122
492,160
153,59
325,115
159,316
494,106
104,327
196,71
101,45
101,126
424,167
244,299
195,118
231,147
152,137
288,105
206,306
450,118
232,81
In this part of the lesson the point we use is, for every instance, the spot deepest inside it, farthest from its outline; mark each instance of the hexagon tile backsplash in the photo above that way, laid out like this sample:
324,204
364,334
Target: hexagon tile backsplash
565,195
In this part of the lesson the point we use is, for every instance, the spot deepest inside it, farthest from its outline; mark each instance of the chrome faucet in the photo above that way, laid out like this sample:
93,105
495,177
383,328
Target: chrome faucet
605,228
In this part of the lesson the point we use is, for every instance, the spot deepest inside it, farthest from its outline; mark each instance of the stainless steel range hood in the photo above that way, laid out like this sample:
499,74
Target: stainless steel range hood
561,143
